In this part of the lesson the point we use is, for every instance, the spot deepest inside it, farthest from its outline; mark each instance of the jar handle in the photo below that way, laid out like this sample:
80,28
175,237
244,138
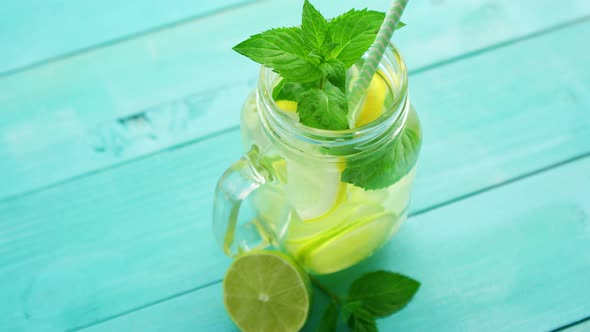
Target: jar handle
241,182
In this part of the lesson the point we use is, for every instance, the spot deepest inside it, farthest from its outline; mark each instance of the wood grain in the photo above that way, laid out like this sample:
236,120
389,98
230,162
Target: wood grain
500,261
123,239
113,104
33,32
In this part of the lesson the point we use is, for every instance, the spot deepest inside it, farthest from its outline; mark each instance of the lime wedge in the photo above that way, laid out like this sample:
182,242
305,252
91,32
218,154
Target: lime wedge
266,291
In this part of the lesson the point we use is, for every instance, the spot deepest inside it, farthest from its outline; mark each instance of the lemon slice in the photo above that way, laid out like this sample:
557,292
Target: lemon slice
342,216
315,189
287,105
289,108
350,245
374,100
305,236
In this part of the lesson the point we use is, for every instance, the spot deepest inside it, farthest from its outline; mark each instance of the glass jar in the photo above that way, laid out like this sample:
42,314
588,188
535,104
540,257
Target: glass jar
327,198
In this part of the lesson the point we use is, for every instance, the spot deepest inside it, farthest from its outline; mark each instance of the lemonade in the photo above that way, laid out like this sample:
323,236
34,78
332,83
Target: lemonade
331,143
335,224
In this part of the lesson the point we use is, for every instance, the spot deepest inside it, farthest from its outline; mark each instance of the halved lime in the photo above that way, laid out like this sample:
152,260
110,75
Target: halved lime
267,291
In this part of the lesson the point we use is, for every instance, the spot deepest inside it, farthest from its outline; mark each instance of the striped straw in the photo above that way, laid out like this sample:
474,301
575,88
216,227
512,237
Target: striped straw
360,86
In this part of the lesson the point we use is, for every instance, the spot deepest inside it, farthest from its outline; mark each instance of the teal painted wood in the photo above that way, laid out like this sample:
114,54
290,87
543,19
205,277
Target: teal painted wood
118,103
35,31
580,327
512,259
141,232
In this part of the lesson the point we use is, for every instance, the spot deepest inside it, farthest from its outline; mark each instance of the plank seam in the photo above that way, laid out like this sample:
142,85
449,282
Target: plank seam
146,305
572,324
416,71
501,184
420,212
120,164
124,38
506,43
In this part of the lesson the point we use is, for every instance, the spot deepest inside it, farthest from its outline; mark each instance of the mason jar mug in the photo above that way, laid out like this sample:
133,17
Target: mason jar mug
327,198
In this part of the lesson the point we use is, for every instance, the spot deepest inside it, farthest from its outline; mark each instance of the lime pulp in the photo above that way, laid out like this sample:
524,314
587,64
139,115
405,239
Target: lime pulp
266,291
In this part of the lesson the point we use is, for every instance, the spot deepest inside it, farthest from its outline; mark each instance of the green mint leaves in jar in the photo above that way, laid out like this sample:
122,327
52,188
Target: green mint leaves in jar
315,57
313,61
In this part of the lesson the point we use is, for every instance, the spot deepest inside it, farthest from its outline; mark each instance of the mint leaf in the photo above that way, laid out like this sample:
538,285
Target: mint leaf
354,32
349,307
328,47
382,293
363,324
324,109
335,73
286,90
390,163
276,91
313,25
329,319
285,51
360,320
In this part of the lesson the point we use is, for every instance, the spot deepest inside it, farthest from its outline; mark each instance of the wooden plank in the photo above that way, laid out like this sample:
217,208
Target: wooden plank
35,31
512,259
141,231
583,326
118,103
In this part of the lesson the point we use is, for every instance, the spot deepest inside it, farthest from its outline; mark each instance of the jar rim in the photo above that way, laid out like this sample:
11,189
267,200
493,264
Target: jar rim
392,66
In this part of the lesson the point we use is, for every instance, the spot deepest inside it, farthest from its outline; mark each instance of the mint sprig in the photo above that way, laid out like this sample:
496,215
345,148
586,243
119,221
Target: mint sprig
372,296
313,55
313,60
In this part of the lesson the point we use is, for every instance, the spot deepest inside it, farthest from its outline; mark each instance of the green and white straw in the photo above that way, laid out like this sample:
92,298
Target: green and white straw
360,86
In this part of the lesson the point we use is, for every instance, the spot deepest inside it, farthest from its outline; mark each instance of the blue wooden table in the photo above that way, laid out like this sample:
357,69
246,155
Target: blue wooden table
117,118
